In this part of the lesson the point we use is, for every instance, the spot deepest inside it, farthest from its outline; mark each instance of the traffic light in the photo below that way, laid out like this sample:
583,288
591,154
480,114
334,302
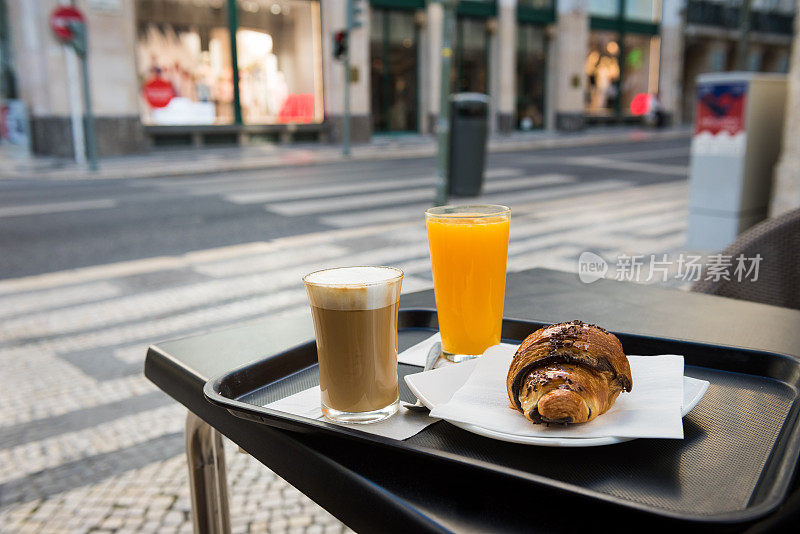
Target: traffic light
340,44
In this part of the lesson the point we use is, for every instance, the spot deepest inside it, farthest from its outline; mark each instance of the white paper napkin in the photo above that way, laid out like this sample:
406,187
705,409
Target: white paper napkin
402,425
651,410
417,354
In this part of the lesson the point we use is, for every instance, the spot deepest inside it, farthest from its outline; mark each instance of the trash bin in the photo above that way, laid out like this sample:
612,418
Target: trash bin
467,155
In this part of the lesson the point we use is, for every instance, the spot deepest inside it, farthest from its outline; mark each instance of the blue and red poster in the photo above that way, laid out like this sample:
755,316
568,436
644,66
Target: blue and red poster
720,107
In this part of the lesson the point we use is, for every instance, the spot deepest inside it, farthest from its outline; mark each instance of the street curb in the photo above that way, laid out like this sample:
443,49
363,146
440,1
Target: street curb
324,155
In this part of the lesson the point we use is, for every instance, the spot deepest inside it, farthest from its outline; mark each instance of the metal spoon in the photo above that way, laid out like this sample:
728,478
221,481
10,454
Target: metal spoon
430,361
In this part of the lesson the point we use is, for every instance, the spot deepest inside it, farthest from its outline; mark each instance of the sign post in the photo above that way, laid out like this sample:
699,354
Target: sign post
346,59
341,52
443,122
69,27
75,106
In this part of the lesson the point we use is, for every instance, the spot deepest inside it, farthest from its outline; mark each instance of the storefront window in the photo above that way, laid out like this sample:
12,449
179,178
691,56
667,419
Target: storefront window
604,8
393,52
642,10
603,73
775,60
640,69
531,70
536,4
471,65
185,61
279,53
7,84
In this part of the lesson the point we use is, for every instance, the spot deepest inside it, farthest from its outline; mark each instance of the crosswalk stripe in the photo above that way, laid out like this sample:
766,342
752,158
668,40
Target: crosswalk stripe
650,168
57,207
334,189
376,216
599,233
401,179
288,178
328,205
657,153
88,274
654,153
589,222
50,452
270,260
368,217
61,397
603,205
641,193
287,184
558,257
57,298
678,225
369,195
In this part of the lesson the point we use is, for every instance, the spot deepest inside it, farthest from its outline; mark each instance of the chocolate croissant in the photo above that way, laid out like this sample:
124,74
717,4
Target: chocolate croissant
567,373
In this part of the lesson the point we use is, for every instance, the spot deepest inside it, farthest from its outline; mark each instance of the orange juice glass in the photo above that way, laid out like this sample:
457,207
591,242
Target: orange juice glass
469,250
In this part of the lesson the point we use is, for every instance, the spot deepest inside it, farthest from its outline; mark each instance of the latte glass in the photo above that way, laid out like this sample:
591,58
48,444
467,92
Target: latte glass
355,321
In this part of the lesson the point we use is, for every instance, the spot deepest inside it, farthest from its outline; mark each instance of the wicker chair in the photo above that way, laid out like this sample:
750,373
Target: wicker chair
778,242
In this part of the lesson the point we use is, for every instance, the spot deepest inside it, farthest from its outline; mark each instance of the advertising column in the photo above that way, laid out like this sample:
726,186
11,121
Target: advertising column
734,149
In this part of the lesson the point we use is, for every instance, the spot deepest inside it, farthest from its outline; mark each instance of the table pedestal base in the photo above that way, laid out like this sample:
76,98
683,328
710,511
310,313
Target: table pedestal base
205,456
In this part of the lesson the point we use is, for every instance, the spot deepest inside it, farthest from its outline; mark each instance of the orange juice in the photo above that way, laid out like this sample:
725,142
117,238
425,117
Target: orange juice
469,249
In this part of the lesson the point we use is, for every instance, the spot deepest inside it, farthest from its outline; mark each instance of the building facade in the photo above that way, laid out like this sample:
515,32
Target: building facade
713,29
162,71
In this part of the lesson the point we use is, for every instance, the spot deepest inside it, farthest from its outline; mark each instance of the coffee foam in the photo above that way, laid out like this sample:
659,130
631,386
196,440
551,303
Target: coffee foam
354,288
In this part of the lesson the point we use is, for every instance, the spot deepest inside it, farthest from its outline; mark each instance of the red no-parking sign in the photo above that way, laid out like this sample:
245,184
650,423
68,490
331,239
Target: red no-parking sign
158,92
60,20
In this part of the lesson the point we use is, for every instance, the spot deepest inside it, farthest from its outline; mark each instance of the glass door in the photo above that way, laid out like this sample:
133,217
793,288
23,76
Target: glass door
531,69
471,69
7,85
393,51
603,74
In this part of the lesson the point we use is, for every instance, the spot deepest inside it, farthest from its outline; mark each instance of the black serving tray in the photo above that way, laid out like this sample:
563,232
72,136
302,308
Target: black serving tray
734,465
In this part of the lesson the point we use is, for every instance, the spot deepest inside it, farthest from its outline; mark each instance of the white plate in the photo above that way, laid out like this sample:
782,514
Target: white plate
438,386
